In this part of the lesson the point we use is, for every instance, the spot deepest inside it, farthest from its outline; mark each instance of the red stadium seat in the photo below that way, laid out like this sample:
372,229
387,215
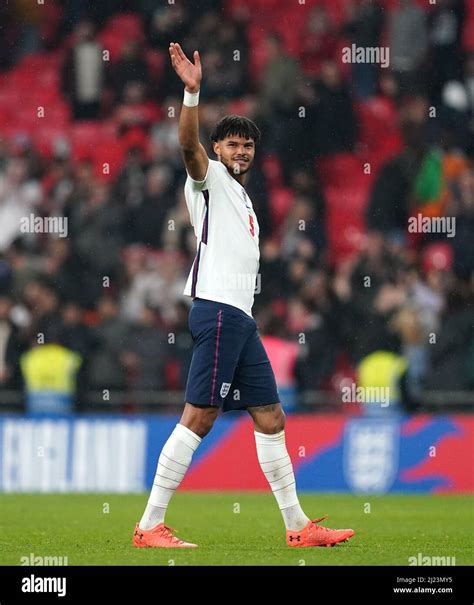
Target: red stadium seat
21,79
46,137
10,98
380,137
113,43
378,120
272,170
33,62
108,157
345,221
128,25
49,78
155,61
25,119
84,136
118,30
468,35
343,372
172,372
99,143
281,201
340,170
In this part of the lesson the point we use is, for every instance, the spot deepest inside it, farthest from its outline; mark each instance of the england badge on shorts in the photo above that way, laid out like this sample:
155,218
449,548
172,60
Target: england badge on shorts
225,389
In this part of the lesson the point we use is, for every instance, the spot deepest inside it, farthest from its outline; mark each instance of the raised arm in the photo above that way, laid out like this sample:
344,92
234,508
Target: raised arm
194,154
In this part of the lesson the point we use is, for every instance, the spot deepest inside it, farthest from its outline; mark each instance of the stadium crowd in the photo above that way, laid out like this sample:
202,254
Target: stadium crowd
338,282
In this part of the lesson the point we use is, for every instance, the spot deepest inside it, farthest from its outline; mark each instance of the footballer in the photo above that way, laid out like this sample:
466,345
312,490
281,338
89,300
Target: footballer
228,355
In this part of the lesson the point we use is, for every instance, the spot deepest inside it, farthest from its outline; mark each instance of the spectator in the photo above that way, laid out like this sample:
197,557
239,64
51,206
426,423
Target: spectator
408,42
10,346
273,265
21,271
374,297
225,75
136,112
407,324
19,197
74,334
319,343
177,234
304,183
28,35
7,40
145,353
319,41
450,368
446,24
426,297
225,64
58,185
171,286
105,369
150,280
462,207
181,349
302,228
384,370
131,67
164,24
96,226
457,110
364,28
393,195
42,301
63,266
164,134
49,372
130,185
278,91
77,337
83,76
145,222
280,81
388,206
335,124
282,354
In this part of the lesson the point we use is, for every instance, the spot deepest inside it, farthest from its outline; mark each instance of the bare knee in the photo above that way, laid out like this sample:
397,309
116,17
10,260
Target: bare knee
268,419
199,420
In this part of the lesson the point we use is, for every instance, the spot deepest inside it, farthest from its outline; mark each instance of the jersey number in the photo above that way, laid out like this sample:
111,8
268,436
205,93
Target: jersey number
252,227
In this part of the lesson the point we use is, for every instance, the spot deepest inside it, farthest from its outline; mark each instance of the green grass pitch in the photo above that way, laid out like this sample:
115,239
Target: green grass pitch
234,529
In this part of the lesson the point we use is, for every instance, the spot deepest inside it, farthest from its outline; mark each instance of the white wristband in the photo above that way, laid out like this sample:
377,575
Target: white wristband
191,99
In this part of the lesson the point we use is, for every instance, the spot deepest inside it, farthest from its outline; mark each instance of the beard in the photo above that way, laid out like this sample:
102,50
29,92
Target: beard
235,168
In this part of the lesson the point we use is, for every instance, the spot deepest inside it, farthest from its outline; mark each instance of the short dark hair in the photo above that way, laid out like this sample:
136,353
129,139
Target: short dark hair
237,126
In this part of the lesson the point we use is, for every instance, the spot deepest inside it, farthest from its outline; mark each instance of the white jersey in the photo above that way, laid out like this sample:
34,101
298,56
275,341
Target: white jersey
227,259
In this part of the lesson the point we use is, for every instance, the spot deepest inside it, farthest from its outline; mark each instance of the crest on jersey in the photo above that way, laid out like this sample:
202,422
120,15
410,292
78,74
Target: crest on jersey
225,388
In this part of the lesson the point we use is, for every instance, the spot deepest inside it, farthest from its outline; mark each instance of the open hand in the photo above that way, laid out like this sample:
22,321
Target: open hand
190,74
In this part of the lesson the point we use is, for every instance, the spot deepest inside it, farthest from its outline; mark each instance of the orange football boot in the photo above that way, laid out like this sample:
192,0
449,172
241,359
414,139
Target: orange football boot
316,535
159,536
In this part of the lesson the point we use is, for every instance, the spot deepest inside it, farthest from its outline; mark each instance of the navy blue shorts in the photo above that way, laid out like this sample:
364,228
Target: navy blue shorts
230,367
